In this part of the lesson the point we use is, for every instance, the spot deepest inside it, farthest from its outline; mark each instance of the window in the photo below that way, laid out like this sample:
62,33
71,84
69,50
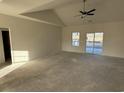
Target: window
94,43
75,39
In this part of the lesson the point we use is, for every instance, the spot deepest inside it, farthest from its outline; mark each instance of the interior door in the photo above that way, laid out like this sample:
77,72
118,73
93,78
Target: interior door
6,45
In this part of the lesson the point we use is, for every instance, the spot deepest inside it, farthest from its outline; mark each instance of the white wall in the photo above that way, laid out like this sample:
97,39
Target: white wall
113,38
1,49
36,38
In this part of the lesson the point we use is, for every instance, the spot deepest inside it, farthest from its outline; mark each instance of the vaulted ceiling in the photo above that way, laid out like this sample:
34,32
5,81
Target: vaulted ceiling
106,11
66,10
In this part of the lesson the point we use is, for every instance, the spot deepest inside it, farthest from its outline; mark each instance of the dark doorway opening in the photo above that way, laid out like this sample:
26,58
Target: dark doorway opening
7,46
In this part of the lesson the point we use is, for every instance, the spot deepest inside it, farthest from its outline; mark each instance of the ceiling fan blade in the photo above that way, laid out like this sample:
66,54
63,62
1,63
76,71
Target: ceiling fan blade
90,14
91,11
81,12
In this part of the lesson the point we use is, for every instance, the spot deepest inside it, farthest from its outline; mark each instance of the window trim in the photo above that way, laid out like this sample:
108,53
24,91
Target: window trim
72,39
93,41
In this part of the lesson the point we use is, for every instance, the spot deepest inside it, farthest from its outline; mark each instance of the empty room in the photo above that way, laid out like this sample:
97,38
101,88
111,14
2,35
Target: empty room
61,46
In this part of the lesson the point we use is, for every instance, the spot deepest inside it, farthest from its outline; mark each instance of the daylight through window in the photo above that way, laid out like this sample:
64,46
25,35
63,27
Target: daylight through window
75,39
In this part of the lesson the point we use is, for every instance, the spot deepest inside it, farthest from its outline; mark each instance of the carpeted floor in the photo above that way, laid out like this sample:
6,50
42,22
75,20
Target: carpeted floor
2,65
67,72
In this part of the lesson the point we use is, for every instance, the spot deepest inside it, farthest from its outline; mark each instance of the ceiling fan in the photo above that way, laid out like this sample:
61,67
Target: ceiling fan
85,13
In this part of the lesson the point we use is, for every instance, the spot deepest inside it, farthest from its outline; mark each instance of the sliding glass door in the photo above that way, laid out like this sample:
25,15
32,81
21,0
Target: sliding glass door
94,43
89,43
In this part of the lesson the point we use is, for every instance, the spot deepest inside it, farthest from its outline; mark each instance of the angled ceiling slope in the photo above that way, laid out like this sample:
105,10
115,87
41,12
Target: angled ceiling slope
46,15
18,7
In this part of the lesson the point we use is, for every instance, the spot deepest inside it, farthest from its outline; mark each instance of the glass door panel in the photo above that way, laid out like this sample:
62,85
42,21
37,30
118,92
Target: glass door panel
89,43
94,43
98,43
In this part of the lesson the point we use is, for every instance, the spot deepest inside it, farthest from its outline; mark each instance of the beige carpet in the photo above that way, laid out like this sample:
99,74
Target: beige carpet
67,72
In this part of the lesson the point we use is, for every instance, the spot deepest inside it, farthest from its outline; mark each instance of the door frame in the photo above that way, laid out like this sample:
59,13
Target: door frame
10,40
93,43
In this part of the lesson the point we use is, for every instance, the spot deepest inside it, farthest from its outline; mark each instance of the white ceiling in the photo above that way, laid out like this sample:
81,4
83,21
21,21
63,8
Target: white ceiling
19,6
24,6
107,10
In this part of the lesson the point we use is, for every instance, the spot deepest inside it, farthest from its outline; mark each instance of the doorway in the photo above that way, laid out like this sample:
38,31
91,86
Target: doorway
7,46
94,43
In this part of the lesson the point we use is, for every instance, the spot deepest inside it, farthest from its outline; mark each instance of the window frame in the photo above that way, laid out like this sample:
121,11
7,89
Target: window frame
72,40
93,43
